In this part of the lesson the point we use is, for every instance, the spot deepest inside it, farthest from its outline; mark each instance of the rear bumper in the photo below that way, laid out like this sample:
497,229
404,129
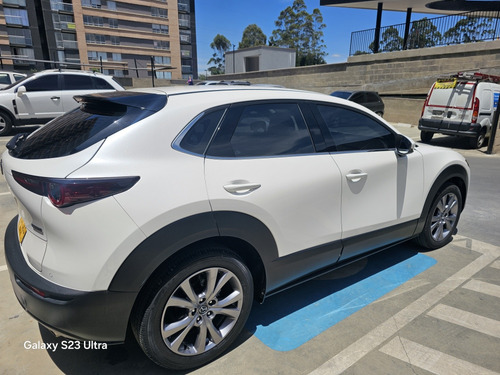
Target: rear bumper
460,129
100,316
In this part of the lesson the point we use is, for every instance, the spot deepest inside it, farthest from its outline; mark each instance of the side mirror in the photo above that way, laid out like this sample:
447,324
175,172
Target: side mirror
21,90
404,146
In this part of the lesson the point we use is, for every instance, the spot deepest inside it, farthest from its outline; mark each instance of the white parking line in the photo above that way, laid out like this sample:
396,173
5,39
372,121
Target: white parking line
357,350
466,319
496,264
483,287
431,360
3,268
7,193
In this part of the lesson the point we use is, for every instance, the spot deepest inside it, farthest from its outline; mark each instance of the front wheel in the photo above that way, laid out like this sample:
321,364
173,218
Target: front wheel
197,312
442,218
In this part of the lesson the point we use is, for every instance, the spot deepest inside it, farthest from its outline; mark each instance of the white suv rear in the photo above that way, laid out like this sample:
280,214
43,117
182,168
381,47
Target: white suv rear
45,95
171,210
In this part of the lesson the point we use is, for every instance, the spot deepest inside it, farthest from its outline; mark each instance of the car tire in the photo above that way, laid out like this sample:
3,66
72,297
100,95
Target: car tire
442,218
5,123
478,140
426,136
196,309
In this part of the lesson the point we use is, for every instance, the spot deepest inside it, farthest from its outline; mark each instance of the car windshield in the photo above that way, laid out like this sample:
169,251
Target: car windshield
341,94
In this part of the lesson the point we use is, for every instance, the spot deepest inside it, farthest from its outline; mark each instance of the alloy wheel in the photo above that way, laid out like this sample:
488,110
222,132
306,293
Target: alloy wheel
445,217
201,311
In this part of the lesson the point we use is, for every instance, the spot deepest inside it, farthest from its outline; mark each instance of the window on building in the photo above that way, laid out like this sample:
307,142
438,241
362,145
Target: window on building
93,20
159,12
161,44
115,40
113,23
16,16
184,20
160,29
25,54
163,75
96,56
91,3
162,60
111,5
20,37
95,38
117,57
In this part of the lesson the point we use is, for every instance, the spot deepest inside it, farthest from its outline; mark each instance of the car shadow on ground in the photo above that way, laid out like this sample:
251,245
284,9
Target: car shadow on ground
460,143
128,358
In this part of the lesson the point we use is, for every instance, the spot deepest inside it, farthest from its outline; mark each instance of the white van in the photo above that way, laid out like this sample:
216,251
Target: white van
461,105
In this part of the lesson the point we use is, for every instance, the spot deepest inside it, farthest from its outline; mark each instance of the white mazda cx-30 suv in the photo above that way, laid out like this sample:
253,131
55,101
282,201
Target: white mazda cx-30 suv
172,210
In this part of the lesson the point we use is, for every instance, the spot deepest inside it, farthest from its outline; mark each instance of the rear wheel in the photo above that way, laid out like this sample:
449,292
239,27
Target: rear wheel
197,311
478,140
442,218
5,123
426,136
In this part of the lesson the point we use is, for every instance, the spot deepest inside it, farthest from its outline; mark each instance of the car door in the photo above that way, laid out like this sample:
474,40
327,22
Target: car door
80,84
381,190
262,163
42,98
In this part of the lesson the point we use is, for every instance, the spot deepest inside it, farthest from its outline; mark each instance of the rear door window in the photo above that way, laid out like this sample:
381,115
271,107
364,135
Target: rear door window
77,82
266,129
201,131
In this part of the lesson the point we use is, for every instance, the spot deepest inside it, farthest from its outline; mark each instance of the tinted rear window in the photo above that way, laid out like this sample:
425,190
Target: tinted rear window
98,117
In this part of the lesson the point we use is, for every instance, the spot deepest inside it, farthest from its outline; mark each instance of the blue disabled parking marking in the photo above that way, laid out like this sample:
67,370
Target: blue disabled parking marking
291,318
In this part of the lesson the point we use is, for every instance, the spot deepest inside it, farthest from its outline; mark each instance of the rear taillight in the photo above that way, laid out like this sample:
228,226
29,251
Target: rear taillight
475,111
64,192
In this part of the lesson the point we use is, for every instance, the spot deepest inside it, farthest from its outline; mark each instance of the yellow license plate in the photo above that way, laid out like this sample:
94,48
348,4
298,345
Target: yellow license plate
21,230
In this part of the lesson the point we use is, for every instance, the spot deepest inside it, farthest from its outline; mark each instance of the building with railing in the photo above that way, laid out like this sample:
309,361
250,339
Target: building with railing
125,38
460,28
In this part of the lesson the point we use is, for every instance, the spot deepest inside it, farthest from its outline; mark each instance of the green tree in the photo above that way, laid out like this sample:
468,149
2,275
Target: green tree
423,34
390,41
220,45
253,36
296,28
470,29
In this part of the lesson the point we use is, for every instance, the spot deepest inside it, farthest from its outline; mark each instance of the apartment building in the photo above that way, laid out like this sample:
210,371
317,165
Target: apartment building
124,38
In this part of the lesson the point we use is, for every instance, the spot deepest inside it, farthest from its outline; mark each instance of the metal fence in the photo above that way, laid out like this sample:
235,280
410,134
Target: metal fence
429,32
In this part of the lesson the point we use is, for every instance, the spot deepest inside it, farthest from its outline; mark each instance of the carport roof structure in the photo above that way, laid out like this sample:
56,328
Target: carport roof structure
444,7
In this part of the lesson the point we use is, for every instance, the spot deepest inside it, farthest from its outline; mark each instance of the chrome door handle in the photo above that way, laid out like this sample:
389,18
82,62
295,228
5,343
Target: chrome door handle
355,177
241,188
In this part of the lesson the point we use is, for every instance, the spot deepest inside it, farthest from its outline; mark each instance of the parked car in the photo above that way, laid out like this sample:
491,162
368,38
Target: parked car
462,105
211,83
8,78
170,210
45,95
368,99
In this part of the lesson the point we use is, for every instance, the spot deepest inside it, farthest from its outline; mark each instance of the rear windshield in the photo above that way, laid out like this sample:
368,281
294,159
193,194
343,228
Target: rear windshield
98,116
459,96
